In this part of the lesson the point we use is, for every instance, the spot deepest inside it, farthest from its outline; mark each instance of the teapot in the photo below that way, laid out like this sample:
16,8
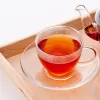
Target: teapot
91,28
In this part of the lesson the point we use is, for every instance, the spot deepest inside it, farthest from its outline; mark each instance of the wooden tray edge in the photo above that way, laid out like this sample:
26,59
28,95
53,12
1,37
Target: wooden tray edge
18,46
15,77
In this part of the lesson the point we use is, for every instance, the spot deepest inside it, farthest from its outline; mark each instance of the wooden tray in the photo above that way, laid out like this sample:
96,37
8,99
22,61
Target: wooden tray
9,61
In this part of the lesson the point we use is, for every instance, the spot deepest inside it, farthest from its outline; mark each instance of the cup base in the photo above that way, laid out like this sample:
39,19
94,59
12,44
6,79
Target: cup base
64,77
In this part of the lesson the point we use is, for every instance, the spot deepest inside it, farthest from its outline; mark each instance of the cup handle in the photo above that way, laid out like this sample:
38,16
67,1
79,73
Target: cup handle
88,55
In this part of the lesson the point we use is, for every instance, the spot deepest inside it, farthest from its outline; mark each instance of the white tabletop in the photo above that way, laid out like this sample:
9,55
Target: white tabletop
21,18
8,91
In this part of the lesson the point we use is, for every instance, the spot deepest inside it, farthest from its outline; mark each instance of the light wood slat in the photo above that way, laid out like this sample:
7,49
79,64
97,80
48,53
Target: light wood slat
15,77
16,47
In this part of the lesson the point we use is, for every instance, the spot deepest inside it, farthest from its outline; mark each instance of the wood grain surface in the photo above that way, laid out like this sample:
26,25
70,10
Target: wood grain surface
33,92
10,62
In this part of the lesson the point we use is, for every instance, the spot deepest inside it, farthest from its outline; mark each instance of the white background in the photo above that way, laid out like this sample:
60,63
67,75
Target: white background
21,18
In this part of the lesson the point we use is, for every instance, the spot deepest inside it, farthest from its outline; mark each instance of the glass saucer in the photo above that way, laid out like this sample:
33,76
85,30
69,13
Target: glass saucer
34,71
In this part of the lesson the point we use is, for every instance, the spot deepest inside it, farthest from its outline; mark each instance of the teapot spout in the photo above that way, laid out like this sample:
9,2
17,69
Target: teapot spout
86,19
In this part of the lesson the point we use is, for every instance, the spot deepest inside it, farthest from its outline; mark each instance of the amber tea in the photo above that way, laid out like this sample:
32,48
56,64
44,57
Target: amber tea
59,45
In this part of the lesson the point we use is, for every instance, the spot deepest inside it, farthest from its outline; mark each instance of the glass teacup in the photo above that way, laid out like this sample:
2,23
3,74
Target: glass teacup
59,49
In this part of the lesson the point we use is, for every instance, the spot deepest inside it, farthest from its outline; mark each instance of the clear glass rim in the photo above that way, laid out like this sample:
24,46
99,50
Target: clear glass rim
80,7
80,38
89,61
